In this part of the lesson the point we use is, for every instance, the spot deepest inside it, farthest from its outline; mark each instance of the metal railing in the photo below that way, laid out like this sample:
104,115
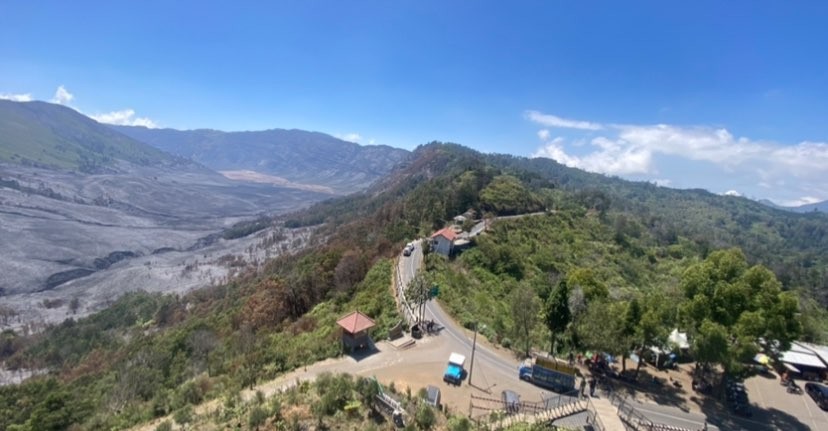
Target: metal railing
548,410
407,311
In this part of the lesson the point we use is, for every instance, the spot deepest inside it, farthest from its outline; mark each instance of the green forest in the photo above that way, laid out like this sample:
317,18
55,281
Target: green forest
600,263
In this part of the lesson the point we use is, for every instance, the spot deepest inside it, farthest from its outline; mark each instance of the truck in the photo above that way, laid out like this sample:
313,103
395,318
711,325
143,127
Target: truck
454,371
549,373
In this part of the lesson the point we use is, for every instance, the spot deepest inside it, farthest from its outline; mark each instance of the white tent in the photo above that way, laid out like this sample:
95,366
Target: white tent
679,339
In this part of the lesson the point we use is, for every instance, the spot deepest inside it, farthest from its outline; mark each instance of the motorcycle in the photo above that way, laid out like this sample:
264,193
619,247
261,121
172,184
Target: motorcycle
793,388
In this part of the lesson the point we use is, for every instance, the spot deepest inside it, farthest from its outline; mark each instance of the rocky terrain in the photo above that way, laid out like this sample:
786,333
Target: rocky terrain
94,237
87,214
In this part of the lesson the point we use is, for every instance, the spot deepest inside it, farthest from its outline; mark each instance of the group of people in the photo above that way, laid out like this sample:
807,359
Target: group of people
591,382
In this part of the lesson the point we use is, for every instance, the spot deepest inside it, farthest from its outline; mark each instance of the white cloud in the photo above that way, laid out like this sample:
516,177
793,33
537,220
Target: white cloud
555,121
732,193
646,150
351,137
124,117
26,97
62,96
804,200
543,134
613,157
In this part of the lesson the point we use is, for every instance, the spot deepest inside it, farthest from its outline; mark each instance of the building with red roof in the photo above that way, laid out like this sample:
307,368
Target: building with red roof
442,241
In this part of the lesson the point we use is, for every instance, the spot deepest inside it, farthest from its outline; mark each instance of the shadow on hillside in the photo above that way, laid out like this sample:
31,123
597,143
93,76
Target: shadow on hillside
761,419
653,387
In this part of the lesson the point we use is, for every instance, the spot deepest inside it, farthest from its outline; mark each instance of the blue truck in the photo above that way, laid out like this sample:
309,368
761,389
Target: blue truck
550,374
454,371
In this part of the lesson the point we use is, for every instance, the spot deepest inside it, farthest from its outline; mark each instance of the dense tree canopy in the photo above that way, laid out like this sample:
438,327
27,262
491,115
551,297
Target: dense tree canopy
734,310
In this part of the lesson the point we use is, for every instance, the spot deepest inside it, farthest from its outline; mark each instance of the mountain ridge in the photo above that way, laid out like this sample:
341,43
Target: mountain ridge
804,208
299,156
48,135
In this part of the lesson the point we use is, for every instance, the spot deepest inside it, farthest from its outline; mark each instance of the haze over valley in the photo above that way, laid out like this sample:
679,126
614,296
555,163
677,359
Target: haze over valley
90,213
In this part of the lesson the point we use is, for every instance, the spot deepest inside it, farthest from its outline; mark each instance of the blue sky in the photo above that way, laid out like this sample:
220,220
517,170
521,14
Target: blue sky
727,96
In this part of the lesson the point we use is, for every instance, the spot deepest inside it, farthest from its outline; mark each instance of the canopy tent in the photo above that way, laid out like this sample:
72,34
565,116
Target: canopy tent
679,339
761,358
790,367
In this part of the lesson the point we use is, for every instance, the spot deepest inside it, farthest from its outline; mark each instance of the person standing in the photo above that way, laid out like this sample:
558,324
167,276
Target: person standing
583,387
592,386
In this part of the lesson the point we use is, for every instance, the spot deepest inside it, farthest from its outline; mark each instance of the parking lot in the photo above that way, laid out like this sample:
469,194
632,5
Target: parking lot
782,410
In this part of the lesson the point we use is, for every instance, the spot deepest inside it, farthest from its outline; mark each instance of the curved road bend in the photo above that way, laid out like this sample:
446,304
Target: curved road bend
460,341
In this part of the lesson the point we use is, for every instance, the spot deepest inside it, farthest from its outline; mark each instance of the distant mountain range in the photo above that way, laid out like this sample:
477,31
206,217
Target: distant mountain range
816,206
75,193
296,156
46,135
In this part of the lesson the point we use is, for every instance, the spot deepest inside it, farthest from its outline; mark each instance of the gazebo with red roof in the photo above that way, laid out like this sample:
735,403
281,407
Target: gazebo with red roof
355,328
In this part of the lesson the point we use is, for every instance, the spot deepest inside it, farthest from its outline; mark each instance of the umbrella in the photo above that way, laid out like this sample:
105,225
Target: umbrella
761,358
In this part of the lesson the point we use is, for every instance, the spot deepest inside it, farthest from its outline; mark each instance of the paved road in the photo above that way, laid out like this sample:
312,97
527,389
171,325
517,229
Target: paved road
672,416
489,361
461,340
409,267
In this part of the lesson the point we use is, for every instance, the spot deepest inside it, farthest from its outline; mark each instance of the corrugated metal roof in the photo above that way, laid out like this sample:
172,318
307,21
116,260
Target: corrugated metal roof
821,351
800,358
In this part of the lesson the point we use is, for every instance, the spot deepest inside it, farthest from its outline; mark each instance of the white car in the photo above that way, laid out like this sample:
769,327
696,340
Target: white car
408,249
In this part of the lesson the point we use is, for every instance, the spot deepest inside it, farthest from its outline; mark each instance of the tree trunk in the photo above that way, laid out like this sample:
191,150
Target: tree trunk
528,341
640,363
552,343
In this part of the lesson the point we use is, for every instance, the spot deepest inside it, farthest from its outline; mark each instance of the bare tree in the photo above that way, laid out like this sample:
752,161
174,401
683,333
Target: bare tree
418,293
525,308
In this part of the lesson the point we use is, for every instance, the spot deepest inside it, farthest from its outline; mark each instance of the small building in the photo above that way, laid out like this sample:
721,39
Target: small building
355,328
433,396
460,219
442,241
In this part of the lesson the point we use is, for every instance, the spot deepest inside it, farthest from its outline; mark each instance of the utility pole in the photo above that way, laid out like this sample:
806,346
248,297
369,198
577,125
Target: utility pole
474,345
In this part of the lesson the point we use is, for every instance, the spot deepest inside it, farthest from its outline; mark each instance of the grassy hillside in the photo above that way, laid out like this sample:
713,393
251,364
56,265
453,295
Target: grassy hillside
150,355
53,136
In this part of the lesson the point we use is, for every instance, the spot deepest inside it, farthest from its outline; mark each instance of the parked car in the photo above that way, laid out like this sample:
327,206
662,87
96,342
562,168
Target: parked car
737,398
408,249
819,393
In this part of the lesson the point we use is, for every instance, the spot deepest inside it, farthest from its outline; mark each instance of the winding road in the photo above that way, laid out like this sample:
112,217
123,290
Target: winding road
485,359
490,366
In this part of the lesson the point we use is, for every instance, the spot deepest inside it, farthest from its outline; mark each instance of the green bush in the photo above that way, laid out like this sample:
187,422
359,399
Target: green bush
164,426
183,415
257,417
425,418
459,423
